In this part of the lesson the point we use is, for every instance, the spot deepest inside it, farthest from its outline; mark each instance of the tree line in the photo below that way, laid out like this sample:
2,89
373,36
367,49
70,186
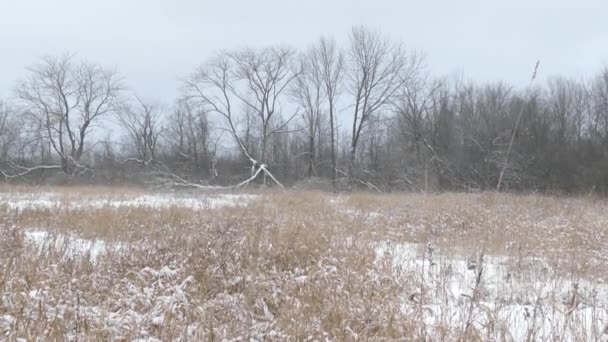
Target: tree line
365,114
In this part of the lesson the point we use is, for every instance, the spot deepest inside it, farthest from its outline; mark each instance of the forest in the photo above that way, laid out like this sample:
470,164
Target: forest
364,112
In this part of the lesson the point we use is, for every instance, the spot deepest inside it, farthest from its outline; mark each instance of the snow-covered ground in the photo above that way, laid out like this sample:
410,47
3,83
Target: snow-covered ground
49,200
503,296
524,297
446,290
70,245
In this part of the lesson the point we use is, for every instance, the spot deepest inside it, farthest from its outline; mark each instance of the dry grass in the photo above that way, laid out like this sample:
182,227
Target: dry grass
309,266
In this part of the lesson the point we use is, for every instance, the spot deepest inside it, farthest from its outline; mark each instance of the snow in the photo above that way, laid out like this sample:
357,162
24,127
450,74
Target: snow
520,297
49,200
156,299
538,301
71,245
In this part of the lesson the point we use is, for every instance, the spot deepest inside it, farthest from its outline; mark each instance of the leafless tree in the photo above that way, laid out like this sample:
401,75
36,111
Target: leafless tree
377,69
266,73
599,104
66,99
142,124
420,110
564,109
247,81
191,136
9,130
328,59
308,93
414,106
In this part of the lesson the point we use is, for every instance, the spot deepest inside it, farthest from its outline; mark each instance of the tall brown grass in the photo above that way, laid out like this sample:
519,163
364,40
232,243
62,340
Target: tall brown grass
301,266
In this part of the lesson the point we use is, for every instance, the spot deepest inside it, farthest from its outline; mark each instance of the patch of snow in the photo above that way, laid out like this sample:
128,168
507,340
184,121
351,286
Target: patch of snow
71,245
368,217
23,201
534,302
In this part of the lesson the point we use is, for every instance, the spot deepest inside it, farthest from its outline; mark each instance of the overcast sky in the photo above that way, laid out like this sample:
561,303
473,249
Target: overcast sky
154,42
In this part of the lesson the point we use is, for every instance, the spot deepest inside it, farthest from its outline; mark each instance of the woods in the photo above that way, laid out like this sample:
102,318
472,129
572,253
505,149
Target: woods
365,112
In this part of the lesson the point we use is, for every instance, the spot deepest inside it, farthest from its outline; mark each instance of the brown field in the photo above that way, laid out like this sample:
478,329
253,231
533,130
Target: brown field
301,266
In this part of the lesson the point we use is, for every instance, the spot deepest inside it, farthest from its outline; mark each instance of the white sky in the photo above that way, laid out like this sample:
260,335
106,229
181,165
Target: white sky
154,42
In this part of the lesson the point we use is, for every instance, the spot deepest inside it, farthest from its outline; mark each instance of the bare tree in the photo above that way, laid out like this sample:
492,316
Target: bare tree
9,130
329,61
580,108
414,106
599,104
419,107
266,74
66,99
247,81
190,135
562,100
142,124
377,69
308,92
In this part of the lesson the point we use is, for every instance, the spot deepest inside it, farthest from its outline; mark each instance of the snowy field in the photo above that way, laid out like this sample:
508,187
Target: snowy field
302,266
49,200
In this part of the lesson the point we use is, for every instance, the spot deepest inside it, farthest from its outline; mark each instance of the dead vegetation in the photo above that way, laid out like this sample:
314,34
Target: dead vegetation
309,266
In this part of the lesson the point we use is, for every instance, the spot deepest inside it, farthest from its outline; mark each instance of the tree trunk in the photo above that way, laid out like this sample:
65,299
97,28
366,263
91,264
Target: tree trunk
311,156
351,162
67,166
265,153
333,149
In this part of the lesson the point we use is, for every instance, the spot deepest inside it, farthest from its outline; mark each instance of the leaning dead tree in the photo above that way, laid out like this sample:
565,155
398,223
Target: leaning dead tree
65,99
519,115
248,81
